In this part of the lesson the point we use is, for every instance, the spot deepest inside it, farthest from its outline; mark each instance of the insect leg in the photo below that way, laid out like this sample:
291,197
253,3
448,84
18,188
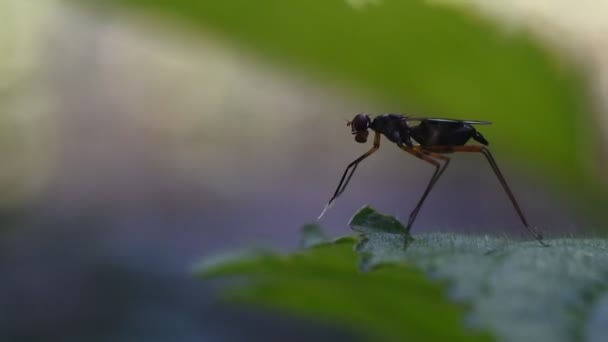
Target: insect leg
352,167
486,152
429,186
428,157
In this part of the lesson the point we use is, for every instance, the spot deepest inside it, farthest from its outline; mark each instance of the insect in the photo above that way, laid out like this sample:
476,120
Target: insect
435,137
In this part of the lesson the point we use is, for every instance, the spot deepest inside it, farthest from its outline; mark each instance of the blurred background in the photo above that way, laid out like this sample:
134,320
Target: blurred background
141,136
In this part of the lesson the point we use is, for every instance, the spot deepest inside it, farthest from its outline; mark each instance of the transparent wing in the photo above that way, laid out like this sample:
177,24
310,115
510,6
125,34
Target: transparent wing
471,122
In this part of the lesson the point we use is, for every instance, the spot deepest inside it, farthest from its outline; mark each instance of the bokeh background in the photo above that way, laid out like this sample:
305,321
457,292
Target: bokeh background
140,136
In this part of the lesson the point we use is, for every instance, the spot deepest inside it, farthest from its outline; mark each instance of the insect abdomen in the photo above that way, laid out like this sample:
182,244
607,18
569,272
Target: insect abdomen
445,134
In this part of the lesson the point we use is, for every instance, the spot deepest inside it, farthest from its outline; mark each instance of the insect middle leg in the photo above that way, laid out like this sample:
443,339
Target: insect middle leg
429,157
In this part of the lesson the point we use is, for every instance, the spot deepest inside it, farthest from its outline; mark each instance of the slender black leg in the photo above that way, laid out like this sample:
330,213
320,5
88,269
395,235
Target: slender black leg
483,150
537,235
352,167
430,186
428,157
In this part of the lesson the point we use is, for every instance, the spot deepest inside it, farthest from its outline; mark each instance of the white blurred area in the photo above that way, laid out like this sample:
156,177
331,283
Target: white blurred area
88,99
27,126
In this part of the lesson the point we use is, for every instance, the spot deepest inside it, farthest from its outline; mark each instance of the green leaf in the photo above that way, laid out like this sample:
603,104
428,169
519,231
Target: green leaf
394,302
517,290
521,291
383,238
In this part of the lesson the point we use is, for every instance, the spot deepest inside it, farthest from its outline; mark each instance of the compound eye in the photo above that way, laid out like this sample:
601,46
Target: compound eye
360,123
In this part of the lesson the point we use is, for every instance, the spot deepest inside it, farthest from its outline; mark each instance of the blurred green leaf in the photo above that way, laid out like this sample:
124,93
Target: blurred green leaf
421,57
395,302
312,235
519,291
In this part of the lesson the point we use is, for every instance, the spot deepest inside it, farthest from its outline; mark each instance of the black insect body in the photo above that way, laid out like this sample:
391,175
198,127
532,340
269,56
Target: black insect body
435,137
445,133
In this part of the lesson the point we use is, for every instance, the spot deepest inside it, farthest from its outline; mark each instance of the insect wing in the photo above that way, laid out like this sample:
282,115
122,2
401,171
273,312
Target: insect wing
470,122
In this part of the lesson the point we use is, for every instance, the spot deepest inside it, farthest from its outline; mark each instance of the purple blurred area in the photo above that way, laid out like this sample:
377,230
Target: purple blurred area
155,149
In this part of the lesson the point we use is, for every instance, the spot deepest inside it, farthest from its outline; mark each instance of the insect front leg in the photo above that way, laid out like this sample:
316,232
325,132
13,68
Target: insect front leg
352,167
